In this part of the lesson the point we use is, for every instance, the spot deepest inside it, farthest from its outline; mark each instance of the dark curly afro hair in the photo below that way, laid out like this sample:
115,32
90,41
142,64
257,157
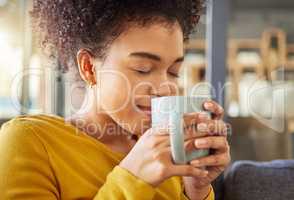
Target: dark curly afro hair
69,25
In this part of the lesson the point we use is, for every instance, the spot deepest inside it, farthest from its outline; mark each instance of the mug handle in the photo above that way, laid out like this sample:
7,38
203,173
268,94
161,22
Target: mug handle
177,141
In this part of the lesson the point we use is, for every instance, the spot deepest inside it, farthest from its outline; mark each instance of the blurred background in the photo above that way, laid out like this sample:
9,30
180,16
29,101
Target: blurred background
250,48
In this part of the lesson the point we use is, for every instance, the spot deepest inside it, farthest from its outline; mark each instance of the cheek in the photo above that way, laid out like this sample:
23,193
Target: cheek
114,91
117,92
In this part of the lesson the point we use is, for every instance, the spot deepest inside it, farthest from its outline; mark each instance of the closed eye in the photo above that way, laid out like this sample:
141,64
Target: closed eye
174,74
142,71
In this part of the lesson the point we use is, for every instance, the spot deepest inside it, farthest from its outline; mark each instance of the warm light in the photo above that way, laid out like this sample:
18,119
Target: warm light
5,50
10,65
35,79
3,2
10,61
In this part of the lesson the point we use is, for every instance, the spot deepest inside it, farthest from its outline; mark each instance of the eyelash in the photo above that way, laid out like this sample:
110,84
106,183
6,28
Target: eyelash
175,75
147,72
142,72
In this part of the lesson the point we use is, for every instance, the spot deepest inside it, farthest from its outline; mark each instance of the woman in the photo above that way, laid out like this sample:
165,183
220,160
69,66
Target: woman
127,52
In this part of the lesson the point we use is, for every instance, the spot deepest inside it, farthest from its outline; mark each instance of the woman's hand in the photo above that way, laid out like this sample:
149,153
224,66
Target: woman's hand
215,139
150,159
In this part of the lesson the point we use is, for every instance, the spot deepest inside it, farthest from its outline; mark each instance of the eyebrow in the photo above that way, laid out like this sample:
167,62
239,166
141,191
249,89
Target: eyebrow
152,56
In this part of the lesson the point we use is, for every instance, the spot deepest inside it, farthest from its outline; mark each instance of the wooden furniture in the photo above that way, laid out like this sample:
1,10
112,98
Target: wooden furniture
197,68
274,50
240,60
194,64
290,57
263,56
253,140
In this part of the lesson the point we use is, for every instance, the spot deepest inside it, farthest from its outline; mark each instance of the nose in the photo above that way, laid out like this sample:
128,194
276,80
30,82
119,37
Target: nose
165,88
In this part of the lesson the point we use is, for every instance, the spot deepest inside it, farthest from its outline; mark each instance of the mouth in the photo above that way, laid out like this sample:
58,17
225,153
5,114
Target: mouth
145,109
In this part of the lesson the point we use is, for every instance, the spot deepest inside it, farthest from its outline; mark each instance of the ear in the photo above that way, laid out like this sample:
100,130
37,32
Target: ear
86,66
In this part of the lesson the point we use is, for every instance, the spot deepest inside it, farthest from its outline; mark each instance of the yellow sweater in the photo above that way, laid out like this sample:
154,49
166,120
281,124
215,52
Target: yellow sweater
44,158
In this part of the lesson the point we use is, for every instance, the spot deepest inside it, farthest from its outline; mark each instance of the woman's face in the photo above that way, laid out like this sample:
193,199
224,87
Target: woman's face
141,63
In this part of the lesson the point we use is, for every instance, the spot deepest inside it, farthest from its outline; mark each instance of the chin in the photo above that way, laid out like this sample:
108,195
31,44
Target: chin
143,123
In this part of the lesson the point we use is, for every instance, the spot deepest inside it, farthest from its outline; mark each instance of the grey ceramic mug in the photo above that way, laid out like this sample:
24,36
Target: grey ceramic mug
169,110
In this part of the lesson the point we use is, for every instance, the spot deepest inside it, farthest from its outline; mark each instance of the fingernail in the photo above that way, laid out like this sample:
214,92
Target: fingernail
195,162
204,173
207,105
202,127
201,142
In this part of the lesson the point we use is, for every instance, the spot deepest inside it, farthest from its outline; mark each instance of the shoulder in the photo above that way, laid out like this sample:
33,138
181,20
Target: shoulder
27,120
14,128
36,120
19,143
33,126
22,155
16,132
38,124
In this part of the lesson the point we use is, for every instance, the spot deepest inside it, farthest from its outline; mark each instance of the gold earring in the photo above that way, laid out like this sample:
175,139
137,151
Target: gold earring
90,84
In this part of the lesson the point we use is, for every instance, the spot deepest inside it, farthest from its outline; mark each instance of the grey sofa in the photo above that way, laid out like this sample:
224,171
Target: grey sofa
248,180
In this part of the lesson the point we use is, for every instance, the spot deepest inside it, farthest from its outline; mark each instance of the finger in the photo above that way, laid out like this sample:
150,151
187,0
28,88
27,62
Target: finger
188,170
191,119
193,133
159,130
213,107
213,127
189,146
219,143
162,136
213,160
215,171
189,139
155,137
191,122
